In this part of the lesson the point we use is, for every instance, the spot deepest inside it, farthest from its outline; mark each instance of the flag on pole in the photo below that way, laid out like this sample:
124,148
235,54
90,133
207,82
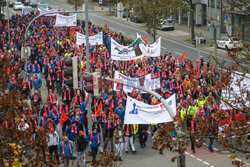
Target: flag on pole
111,111
64,117
100,108
182,57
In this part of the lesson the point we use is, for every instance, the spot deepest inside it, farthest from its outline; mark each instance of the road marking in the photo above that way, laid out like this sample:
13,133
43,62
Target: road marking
206,163
192,156
198,159
215,149
178,53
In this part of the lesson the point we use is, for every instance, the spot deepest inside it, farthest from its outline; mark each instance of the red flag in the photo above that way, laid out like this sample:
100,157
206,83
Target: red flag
99,109
145,40
64,117
111,112
105,26
195,61
182,57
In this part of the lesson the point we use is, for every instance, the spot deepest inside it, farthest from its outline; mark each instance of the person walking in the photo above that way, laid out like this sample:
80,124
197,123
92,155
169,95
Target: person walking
129,137
66,150
94,139
53,141
81,145
119,142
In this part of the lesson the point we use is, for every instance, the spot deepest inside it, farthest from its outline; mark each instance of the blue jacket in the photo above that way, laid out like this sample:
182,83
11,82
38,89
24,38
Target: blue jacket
83,107
37,83
81,119
29,68
37,68
120,112
68,148
95,141
72,135
55,116
45,120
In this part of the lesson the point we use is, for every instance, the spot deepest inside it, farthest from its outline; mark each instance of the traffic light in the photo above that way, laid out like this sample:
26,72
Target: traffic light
70,73
93,83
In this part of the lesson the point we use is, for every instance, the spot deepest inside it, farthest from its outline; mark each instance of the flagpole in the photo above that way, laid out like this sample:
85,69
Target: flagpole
88,64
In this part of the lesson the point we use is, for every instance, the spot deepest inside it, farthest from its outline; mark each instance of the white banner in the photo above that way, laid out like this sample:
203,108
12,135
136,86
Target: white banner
67,21
125,53
238,89
153,50
140,113
136,50
148,82
93,40
42,11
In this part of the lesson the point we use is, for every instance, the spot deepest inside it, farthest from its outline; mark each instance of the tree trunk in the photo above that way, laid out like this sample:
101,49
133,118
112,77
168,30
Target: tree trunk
76,5
154,34
192,21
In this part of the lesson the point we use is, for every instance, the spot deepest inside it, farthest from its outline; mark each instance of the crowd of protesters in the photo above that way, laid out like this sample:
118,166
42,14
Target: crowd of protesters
64,112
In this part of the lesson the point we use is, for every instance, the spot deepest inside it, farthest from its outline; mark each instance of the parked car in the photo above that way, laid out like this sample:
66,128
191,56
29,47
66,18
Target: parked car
124,13
18,6
102,2
229,43
136,19
33,3
11,3
26,10
167,25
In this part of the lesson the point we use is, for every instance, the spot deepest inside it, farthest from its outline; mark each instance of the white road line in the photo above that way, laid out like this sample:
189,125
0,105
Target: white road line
211,166
205,162
165,48
178,53
198,159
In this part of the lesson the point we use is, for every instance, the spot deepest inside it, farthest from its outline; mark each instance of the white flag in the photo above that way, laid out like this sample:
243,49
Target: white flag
67,21
93,40
147,83
140,113
42,11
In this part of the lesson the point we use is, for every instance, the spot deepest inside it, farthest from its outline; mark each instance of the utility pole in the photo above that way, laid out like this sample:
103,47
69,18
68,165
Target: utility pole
215,27
8,19
87,63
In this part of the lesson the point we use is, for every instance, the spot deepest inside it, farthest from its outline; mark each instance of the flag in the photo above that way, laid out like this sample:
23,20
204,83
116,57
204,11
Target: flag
64,117
111,112
182,57
145,40
100,109
195,61
105,26
205,69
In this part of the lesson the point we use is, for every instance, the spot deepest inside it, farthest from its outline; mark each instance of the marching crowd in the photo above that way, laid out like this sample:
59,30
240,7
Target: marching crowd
63,114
